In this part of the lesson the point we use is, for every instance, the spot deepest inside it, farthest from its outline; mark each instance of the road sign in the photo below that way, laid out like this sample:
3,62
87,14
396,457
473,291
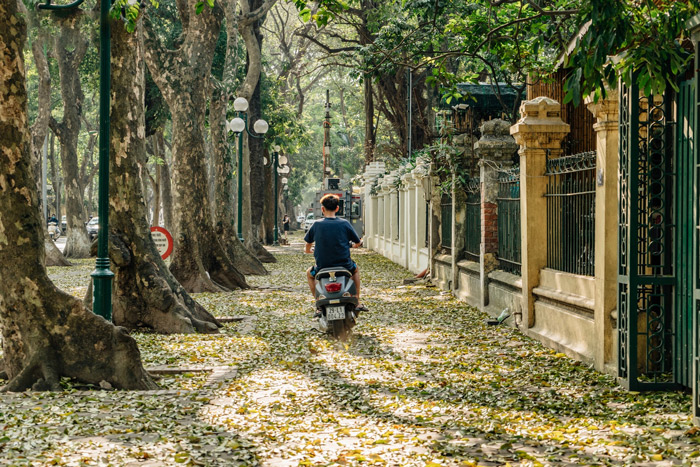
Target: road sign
163,241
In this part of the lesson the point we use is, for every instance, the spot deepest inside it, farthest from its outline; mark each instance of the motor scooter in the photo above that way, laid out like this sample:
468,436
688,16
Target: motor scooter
54,231
336,300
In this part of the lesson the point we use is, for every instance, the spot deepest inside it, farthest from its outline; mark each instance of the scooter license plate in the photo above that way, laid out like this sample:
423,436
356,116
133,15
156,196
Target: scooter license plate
335,312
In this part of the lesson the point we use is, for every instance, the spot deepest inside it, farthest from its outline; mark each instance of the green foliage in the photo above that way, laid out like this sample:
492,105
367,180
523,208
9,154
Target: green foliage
646,37
328,9
128,11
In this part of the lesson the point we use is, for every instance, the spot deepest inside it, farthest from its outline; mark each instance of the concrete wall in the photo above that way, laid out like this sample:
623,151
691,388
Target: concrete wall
395,206
567,312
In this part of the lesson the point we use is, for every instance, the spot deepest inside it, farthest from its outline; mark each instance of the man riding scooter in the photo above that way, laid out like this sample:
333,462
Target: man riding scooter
333,237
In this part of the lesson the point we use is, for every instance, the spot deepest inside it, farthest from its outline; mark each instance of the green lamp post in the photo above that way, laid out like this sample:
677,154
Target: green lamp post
238,125
279,162
102,276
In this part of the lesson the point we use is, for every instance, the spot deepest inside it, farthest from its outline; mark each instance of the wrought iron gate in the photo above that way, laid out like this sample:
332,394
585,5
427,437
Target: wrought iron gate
472,244
646,269
685,208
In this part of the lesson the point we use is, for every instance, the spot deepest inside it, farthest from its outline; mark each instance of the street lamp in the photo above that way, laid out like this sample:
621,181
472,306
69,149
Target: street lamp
238,125
102,276
279,163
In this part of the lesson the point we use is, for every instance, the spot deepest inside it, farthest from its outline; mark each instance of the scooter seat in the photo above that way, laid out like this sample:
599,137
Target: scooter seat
326,272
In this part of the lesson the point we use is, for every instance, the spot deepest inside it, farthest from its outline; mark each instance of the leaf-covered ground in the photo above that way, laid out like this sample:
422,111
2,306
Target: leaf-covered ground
424,382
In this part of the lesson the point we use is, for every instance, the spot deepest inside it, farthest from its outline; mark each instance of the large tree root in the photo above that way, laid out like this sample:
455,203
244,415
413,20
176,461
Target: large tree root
260,252
244,261
146,295
77,245
53,255
64,339
205,267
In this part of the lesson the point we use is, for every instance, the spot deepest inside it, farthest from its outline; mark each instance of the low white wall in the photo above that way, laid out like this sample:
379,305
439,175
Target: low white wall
395,226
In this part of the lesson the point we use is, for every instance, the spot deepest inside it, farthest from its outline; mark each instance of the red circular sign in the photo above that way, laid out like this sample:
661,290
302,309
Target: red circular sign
163,241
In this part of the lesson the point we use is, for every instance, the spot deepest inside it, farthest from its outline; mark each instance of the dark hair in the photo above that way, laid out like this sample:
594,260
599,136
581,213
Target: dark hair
330,202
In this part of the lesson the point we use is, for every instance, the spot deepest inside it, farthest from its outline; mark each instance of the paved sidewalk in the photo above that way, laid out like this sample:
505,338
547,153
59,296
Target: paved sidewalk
425,382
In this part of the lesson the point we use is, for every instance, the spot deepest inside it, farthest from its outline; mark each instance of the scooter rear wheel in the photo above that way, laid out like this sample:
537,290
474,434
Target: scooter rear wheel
339,329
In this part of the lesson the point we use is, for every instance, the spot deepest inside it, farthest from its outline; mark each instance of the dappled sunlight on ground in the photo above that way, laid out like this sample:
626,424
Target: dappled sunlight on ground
423,382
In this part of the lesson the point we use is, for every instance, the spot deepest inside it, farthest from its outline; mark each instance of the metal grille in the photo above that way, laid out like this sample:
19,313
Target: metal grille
684,206
571,213
509,221
446,221
646,272
472,244
427,223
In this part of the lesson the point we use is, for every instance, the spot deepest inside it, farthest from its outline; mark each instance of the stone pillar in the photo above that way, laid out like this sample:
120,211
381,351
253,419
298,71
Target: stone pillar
606,111
369,216
408,214
539,131
494,149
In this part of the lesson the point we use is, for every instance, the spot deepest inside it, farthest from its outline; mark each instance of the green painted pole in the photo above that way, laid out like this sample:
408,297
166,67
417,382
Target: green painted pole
239,221
102,276
275,157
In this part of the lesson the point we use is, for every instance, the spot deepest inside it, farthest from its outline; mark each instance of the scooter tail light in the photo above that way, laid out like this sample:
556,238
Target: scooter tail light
333,287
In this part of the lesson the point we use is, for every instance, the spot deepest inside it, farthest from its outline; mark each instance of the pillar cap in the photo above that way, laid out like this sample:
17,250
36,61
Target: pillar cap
607,109
495,139
540,125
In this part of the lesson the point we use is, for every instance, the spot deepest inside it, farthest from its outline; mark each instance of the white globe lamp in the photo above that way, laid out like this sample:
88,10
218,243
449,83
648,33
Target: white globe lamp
261,127
240,104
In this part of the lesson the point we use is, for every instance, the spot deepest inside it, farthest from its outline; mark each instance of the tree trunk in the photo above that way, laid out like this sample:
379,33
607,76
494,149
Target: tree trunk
343,113
156,194
70,48
55,176
250,89
145,293
224,153
268,223
370,132
200,262
166,187
47,334
39,131
244,261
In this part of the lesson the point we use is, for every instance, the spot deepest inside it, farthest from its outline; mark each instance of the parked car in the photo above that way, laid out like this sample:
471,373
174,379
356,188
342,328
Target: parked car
93,227
64,225
309,222
300,219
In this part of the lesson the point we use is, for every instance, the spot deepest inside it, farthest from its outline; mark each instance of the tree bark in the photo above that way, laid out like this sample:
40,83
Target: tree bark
40,128
253,13
70,47
224,154
55,175
47,334
268,223
200,262
166,192
145,293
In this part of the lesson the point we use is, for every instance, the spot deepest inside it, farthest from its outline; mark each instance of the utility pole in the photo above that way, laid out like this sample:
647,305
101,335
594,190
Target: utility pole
327,137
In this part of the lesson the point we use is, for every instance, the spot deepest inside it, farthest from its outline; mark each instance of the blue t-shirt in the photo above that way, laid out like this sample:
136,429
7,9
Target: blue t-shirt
332,236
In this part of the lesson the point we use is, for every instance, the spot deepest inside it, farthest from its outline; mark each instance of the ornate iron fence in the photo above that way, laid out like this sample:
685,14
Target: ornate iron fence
446,221
472,244
571,213
508,202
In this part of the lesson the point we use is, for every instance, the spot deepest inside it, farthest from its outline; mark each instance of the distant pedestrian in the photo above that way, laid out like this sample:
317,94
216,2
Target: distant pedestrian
285,226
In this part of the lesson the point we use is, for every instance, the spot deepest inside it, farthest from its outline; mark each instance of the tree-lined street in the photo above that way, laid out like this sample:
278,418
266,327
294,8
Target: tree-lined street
424,382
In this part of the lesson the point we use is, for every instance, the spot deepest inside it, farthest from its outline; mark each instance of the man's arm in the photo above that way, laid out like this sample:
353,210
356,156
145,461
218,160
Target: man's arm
358,244
307,250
